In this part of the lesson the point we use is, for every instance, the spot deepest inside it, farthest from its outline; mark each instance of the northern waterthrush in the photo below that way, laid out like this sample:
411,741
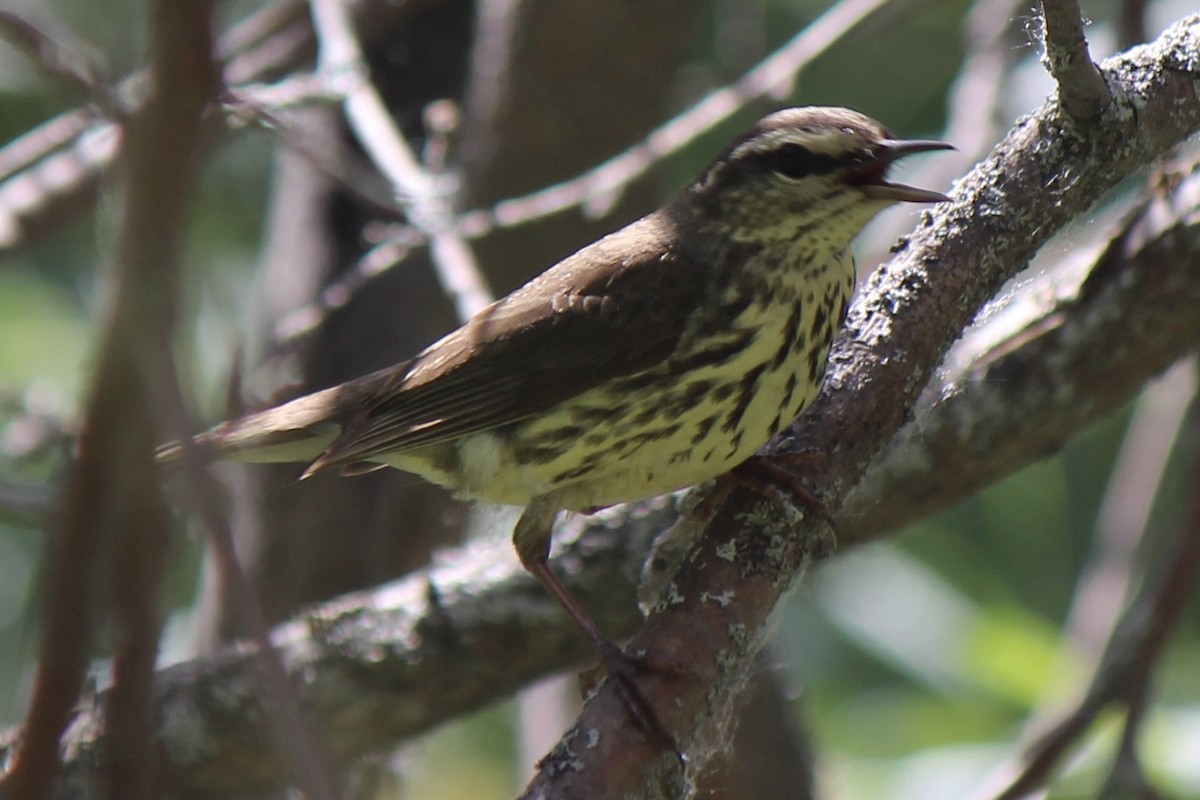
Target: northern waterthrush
657,357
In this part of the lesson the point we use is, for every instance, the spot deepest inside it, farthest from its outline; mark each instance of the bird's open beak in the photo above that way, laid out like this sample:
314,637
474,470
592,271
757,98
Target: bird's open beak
870,178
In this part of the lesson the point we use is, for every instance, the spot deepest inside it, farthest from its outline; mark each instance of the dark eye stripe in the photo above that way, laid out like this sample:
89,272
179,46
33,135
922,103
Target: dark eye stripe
797,161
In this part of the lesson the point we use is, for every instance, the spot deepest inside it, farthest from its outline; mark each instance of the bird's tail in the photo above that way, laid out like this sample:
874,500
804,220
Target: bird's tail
295,431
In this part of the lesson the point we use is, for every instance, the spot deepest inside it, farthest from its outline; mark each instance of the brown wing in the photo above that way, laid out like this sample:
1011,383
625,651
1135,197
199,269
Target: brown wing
566,331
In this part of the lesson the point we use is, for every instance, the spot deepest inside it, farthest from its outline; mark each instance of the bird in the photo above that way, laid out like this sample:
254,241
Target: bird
658,357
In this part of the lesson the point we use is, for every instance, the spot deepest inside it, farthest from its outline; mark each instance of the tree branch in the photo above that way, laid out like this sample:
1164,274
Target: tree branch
342,62
1044,174
1081,88
357,660
1056,367
69,64
1124,673
376,668
109,539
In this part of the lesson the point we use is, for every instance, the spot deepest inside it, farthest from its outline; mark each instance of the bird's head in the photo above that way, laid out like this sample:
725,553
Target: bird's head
813,171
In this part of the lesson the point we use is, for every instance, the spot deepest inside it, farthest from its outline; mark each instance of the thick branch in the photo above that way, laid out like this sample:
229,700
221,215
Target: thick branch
496,615
376,668
1061,368
357,661
1044,174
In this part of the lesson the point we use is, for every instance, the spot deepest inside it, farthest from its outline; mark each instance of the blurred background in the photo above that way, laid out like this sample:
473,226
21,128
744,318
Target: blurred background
910,666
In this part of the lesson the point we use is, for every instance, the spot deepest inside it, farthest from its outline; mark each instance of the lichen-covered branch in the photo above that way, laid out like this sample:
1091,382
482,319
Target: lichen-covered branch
1047,171
375,668
378,667
1061,366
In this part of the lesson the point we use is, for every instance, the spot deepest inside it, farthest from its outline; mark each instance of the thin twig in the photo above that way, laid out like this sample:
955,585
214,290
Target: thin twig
1124,516
1131,23
488,85
598,186
341,62
308,759
974,123
592,189
611,177
1121,525
363,650
1135,646
67,64
53,171
265,106
1081,88
379,259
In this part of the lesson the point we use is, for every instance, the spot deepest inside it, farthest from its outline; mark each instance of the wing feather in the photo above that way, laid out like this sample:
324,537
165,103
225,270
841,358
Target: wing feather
615,308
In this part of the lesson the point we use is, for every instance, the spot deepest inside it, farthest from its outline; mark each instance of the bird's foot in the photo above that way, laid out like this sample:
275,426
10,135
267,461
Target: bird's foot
623,670
774,474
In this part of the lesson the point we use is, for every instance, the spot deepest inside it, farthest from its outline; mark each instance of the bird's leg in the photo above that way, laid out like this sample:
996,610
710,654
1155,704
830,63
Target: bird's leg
531,537
768,476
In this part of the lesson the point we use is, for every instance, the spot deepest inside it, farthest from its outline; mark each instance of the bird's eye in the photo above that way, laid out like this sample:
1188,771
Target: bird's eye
859,158
796,161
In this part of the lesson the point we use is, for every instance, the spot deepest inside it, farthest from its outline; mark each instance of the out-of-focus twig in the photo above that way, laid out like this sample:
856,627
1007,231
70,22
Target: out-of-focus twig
68,64
974,124
496,27
308,759
1131,23
110,537
53,172
341,62
266,107
597,186
1132,654
1124,516
380,258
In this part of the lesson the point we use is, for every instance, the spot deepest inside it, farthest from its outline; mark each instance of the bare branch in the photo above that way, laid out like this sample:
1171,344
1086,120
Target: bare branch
67,64
975,100
62,160
1124,673
342,63
1108,581
598,186
276,37
112,501
375,668
1131,23
357,660
897,332
1082,91
496,27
